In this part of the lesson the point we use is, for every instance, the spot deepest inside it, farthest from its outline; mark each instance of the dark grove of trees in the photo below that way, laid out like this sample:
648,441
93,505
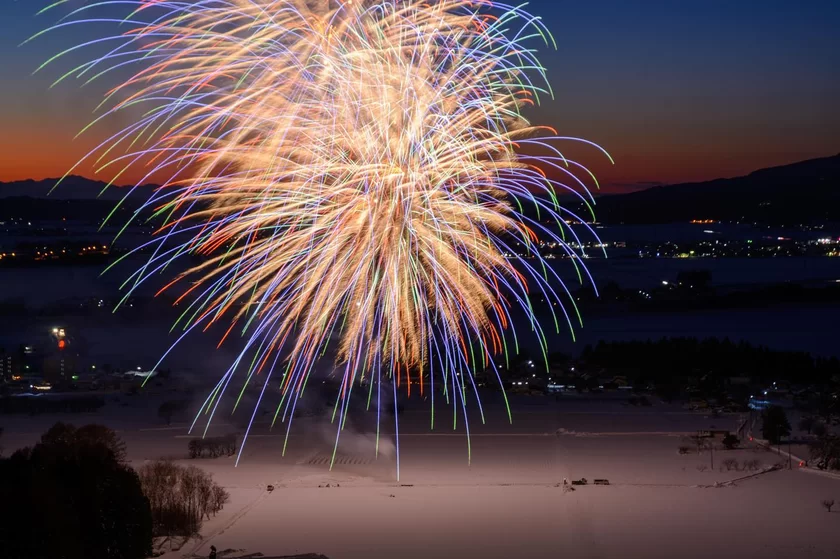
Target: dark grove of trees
660,360
71,496
825,452
181,497
213,447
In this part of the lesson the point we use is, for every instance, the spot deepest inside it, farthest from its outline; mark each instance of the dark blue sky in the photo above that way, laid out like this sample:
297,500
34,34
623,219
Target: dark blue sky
675,90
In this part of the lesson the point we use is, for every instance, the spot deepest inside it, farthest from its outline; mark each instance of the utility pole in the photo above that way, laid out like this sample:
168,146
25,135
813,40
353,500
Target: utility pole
712,453
790,456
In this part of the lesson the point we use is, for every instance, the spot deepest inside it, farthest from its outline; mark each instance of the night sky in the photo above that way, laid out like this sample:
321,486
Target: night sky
675,90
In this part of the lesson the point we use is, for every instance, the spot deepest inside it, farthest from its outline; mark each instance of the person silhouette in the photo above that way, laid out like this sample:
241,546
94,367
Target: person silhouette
212,552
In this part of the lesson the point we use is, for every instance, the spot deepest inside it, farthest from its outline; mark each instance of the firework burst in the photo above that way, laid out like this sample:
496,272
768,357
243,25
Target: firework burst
352,173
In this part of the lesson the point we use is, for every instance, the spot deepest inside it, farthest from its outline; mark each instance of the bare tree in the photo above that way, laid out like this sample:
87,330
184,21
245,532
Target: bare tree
180,497
730,464
219,499
828,503
698,441
205,498
212,447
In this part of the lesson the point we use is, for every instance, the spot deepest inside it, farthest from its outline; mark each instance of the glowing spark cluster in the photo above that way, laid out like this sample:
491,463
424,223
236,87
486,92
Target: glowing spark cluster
357,172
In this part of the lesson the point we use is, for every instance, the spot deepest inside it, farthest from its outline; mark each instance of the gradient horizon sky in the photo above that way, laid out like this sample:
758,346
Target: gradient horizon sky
675,91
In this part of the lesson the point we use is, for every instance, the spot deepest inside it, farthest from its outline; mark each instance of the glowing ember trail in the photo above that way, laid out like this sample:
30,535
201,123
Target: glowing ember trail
354,174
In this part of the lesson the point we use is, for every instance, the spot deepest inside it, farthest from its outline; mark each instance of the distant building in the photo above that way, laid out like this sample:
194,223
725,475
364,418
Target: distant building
6,365
60,361
59,366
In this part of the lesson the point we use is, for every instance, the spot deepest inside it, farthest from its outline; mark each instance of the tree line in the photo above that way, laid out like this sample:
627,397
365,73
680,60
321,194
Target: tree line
212,447
662,359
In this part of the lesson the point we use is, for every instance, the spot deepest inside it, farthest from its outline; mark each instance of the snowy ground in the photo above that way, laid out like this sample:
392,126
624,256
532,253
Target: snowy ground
504,502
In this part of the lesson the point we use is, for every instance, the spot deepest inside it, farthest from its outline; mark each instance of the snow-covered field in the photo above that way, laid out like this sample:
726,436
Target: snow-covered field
505,501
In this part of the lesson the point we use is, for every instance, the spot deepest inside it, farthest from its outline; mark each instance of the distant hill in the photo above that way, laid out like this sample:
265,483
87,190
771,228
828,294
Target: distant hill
804,192
75,198
71,188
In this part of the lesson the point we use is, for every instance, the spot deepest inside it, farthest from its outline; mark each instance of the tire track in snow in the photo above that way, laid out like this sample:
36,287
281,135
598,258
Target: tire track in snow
234,519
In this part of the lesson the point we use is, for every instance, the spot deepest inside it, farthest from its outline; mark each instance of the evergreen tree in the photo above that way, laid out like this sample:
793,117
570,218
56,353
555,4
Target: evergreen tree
775,425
